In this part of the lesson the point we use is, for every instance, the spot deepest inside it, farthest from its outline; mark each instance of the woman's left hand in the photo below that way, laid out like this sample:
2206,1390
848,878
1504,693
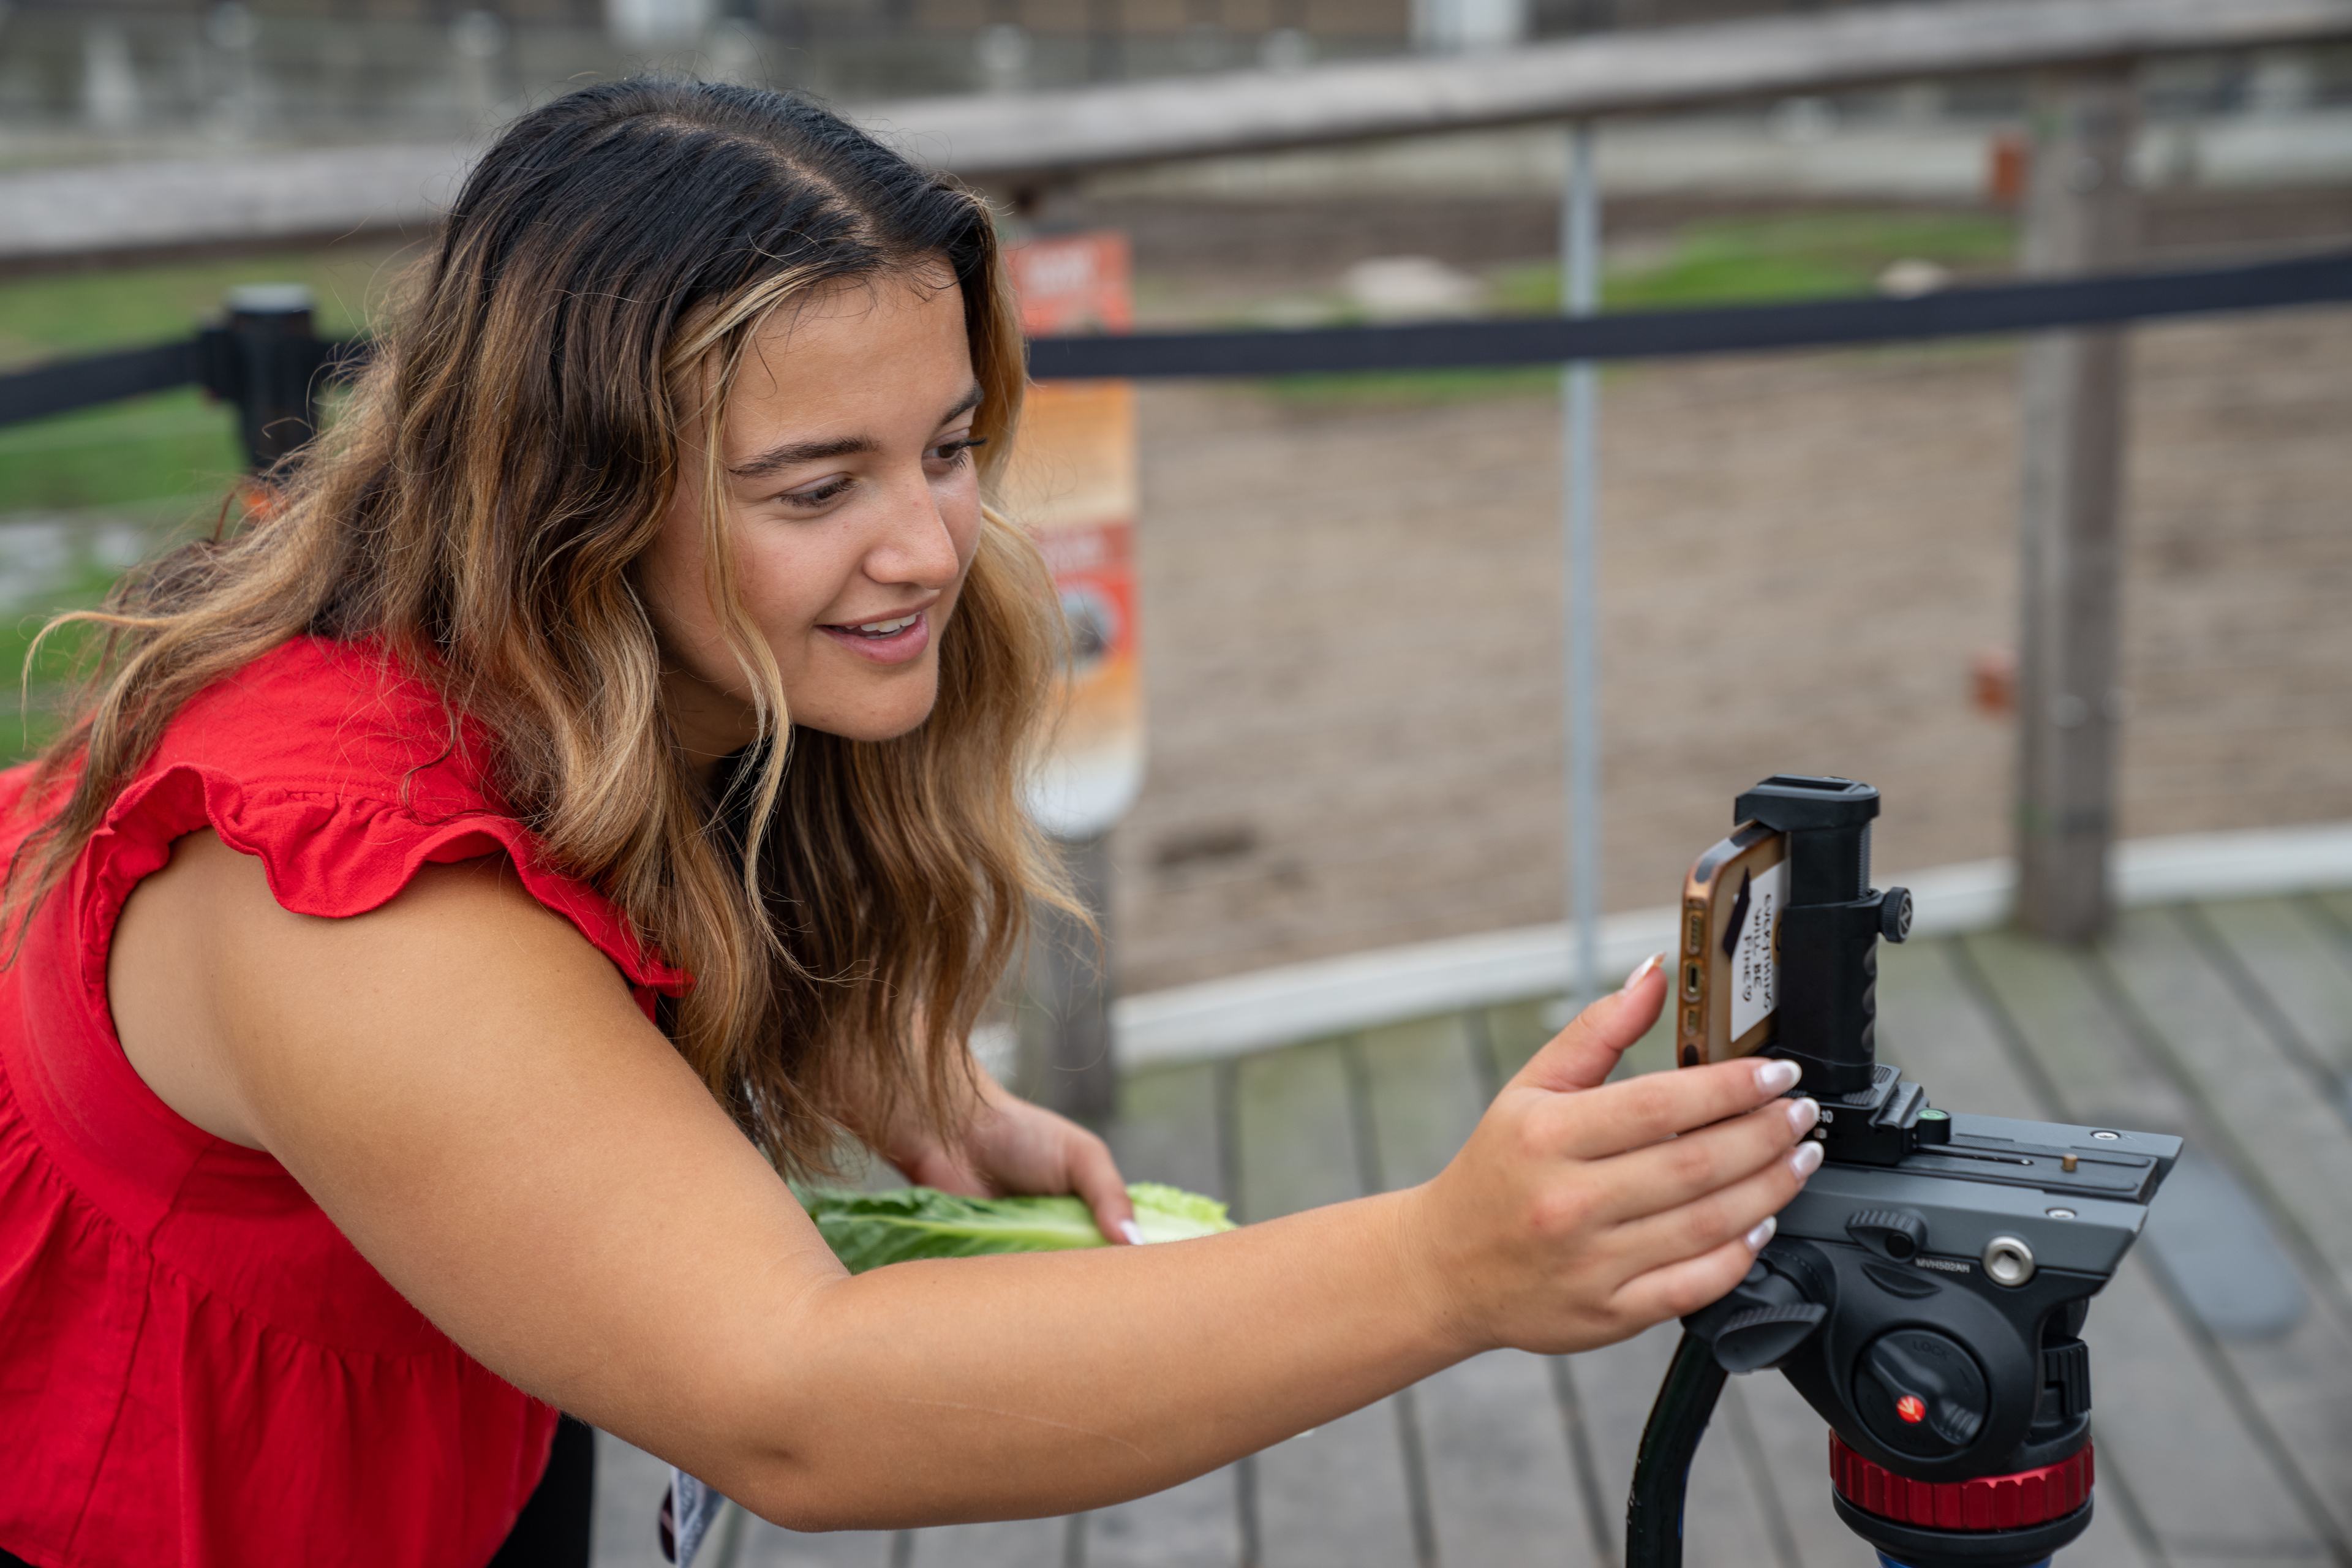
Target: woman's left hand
1011,1147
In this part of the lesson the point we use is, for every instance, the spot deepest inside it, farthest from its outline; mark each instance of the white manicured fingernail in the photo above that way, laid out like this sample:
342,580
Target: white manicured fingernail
1762,1233
1641,971
1132,1231
1806,1160
1804,1113
1778,1076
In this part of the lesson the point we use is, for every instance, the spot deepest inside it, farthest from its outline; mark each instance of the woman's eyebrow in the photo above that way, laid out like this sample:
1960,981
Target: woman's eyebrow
791,454
964,405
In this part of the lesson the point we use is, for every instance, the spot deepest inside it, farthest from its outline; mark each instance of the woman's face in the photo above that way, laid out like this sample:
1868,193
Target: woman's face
852,507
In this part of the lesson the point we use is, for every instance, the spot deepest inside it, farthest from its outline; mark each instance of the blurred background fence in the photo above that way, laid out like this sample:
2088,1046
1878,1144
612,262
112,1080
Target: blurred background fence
1351,583
84,75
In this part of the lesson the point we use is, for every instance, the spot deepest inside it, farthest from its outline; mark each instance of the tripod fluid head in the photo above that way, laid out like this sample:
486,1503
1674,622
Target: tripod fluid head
1925,1292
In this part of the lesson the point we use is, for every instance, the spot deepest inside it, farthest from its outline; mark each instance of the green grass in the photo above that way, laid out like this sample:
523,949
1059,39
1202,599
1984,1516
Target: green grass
109,308
28,717
1717,261
170,444
1802,256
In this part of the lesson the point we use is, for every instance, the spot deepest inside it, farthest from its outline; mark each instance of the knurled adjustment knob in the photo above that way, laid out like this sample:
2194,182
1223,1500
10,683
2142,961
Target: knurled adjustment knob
1898,1234
1894,914
1757,1337
2066,1379
2016,1502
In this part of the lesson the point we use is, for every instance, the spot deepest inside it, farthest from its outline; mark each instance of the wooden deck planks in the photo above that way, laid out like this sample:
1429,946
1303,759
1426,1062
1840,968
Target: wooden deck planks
2227,1023
629,1487
2286,1136
2336,910
1503,1484
1340,1495
2292,967
1733,1512
2290,1398
2290,1145
1010,1543
1170,1130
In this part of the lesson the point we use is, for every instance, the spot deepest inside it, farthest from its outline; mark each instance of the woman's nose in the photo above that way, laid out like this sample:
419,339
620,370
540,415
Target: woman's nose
915,545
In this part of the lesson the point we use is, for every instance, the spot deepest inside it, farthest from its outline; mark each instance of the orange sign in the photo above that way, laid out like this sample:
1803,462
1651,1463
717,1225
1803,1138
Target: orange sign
1072,481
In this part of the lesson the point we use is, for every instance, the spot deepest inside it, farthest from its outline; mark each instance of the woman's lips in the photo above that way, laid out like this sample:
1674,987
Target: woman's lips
907,642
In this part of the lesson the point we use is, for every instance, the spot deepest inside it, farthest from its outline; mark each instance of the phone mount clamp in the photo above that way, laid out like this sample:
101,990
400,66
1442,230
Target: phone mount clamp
1926,1292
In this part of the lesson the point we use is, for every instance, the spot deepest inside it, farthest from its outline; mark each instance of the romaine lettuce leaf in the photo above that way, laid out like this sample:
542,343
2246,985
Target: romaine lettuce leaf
866,1230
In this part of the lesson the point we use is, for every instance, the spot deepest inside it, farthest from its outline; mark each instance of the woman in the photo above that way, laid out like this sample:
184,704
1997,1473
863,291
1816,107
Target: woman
427,949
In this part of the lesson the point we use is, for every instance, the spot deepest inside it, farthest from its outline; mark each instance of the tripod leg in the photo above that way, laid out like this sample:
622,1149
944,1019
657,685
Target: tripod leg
1653,1513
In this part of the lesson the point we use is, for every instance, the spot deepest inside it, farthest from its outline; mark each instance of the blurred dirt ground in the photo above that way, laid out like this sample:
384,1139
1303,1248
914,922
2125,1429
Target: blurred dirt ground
1351,612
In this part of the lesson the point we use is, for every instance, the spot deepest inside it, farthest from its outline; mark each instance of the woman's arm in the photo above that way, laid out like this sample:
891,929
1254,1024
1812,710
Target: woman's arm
466,1089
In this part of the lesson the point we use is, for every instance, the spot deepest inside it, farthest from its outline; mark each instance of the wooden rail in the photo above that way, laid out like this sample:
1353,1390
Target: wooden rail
1047,137
2078,220
1037,139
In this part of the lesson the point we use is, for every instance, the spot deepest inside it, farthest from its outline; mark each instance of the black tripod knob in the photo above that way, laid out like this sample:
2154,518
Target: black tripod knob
1766,1315
1921,1392
1894,914
1757,1337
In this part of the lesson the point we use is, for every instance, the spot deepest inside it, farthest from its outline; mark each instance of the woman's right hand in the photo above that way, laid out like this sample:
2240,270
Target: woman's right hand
1580,1212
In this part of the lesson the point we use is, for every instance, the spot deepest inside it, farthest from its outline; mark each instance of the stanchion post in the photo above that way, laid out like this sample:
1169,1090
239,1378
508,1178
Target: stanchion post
1066,1060
2079,217
264,357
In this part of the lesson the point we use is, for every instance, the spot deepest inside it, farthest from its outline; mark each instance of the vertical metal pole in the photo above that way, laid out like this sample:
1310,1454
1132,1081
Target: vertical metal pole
1580,405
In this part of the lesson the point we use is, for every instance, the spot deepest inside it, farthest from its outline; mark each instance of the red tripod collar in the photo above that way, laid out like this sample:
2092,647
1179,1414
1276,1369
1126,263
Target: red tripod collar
1988,1502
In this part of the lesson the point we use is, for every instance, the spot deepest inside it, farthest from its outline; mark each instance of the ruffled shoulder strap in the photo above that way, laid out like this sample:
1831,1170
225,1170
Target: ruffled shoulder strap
342,773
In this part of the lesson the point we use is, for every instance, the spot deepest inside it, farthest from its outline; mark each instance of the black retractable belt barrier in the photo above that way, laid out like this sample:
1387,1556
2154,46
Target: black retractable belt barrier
2103,300
265,358
85,382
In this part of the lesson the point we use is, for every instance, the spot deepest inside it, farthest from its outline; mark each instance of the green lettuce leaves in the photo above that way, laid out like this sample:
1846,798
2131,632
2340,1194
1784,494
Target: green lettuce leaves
866,1230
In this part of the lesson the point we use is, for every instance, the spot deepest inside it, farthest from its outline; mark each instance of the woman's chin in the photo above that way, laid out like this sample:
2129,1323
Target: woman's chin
884,720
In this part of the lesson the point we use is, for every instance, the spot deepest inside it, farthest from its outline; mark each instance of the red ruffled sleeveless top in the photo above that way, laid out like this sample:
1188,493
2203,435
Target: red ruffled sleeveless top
196,1368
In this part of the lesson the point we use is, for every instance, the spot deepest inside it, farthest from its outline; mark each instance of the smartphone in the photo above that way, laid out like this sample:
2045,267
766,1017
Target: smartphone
1728,982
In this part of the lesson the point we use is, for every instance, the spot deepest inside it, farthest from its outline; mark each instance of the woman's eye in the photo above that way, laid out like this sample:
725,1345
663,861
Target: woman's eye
951,454
820,494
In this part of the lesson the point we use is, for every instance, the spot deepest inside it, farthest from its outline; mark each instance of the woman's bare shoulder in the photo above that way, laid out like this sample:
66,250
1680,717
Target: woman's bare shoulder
467,1087
204,963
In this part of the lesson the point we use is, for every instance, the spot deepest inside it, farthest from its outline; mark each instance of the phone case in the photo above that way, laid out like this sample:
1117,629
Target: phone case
1728,979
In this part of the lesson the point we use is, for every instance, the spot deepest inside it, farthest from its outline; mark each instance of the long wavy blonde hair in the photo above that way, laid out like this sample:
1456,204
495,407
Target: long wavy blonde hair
479,509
